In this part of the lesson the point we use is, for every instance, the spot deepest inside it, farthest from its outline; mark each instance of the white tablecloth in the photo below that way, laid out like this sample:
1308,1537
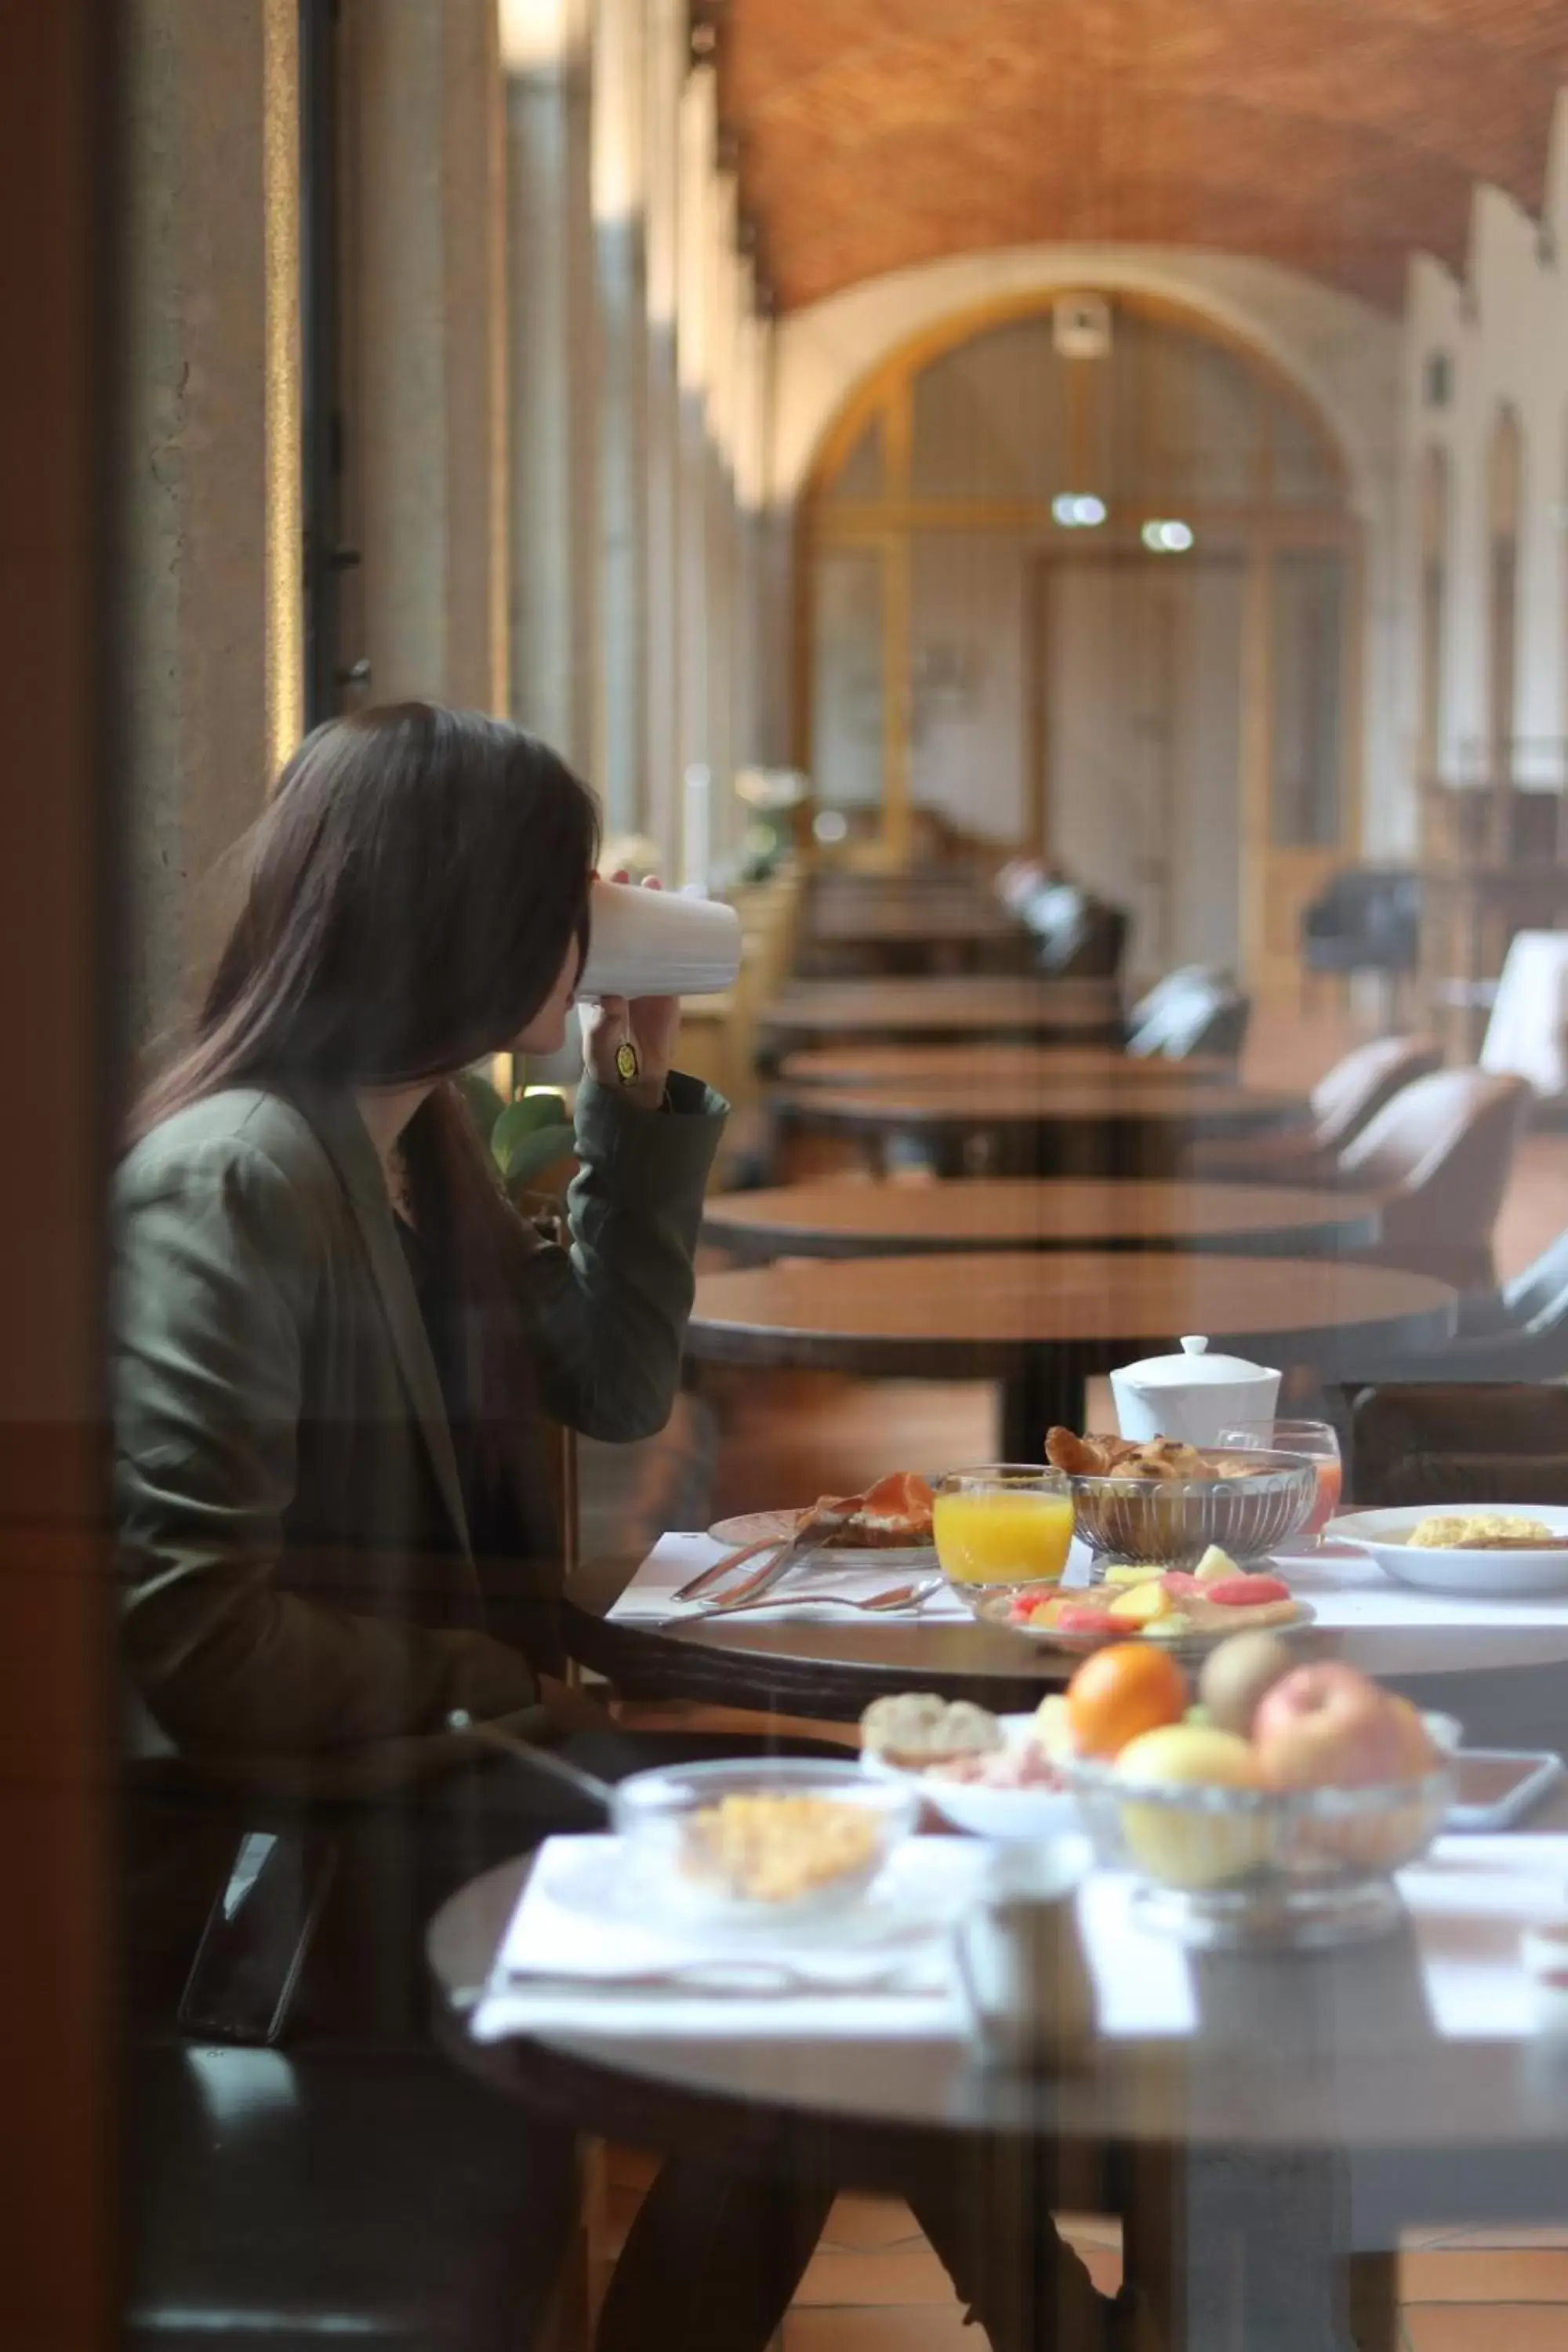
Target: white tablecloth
1527,1035
1467,1902
1345,1587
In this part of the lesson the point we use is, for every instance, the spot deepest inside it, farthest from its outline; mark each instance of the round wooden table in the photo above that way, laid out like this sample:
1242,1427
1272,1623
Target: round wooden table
980,1064
843,1218
833,1667
1231,2149
1040,1126
1067,1011
1045,1322
955,930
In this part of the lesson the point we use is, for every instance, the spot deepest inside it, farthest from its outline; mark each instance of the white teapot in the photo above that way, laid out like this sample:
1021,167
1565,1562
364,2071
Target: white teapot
1194,1396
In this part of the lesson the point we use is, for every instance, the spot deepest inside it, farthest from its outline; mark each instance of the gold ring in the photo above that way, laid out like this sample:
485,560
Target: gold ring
628,1066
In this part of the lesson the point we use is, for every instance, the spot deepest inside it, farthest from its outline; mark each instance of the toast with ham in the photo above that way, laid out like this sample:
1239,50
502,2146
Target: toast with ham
892,1516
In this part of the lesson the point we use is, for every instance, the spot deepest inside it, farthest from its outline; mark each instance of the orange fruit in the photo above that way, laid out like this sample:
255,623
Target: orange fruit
1116,1693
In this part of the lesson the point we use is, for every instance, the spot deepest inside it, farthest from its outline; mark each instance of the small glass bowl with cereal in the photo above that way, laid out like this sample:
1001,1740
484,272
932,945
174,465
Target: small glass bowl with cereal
776,1841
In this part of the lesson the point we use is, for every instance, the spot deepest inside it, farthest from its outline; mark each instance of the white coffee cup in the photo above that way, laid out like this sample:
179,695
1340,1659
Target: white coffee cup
658,943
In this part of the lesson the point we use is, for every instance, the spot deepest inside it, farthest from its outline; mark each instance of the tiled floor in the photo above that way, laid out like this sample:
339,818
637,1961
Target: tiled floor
874,2286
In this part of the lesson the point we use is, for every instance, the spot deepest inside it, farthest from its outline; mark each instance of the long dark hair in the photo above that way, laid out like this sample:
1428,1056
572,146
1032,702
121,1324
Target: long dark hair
410,892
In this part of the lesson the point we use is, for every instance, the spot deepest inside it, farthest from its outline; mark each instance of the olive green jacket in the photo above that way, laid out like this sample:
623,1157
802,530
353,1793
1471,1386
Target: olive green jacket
297,1573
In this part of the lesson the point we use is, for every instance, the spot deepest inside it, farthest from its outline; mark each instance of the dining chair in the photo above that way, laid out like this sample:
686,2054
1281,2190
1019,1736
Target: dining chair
1201,1011
276,2196
1438,1158
1344,1102
1519,1332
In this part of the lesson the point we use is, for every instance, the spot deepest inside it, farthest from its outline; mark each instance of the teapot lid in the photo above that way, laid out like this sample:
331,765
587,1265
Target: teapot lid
1196,1368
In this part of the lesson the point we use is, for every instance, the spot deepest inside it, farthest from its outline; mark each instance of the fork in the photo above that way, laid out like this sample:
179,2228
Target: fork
874,1604
716,1977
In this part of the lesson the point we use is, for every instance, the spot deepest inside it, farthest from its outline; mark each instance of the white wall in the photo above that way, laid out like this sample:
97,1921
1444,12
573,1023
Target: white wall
1504,328
1348,357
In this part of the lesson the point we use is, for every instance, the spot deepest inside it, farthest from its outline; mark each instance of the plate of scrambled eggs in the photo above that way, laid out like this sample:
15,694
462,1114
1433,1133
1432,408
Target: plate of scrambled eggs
1488,1550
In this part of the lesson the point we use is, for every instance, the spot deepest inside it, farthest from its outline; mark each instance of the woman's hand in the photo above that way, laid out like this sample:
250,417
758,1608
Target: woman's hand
650,1024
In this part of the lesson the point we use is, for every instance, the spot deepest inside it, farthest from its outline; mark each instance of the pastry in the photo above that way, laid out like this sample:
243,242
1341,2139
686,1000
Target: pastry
916,1729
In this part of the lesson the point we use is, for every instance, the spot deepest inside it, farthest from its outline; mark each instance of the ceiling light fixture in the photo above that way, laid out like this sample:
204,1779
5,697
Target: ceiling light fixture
1167,537
1076,511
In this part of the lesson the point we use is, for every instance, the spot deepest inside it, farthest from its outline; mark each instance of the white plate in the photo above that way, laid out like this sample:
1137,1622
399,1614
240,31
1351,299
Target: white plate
1483,1575
990,1813
778,1527
904,1902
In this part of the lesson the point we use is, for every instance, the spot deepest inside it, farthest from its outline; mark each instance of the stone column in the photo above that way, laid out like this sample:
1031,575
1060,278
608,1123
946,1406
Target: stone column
425,391
208,456
620,248
551,378
667,62
694,324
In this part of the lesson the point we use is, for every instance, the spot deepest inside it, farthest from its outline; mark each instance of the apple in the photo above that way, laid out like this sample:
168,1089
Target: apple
1329,1726
1191,1848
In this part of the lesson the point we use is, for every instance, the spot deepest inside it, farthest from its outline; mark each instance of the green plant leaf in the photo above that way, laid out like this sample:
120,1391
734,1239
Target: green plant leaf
532,1154
523,1118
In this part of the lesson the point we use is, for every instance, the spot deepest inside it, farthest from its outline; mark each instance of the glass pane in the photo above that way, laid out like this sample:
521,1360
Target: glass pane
1301,470
1308,608
860,476
1187,418
967,703
846,679
988,418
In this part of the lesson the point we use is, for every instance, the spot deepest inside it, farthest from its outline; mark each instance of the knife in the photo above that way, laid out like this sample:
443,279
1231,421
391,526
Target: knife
772,1573
800,1546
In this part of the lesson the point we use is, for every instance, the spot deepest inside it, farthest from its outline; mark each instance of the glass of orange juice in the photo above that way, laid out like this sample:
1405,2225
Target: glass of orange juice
1316,1439
1001,1527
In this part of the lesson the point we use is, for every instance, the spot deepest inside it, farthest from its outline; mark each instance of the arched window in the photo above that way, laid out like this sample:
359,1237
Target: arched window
1092,594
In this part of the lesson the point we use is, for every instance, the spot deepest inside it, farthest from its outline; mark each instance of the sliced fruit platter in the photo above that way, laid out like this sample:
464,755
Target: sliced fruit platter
1178,1609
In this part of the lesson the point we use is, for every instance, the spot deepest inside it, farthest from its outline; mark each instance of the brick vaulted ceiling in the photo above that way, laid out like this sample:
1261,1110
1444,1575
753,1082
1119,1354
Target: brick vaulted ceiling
1335,135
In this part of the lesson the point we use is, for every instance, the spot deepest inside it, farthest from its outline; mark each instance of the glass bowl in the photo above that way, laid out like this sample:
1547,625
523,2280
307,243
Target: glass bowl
1258,1868
776,1841
1174,1521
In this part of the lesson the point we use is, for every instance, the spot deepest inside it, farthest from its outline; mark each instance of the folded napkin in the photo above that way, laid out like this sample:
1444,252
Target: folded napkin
650,1598
583,1922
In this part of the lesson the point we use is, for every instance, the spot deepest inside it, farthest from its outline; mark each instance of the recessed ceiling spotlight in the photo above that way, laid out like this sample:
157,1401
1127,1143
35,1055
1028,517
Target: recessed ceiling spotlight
1169,538
1079,510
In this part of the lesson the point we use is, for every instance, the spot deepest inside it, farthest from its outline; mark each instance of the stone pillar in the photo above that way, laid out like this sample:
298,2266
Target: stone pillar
425,360
693,329
208,456
620,248
667,41
552,377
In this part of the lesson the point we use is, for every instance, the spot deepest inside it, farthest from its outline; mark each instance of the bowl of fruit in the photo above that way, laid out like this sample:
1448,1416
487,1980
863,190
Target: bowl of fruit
1270,1806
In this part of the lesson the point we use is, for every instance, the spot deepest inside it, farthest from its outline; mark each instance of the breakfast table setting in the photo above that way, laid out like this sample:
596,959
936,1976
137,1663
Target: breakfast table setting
1164,1850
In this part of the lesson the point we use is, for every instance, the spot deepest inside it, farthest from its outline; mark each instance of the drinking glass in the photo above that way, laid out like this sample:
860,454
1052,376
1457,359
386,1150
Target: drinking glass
1316,1439
1001,1527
